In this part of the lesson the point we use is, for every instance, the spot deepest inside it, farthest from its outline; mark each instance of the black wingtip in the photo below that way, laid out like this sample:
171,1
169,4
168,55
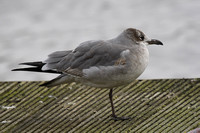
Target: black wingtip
18,69
13,70
30,69
38,63
35,67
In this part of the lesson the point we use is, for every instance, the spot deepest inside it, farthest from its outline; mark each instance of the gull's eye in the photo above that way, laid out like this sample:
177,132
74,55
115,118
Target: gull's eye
141,38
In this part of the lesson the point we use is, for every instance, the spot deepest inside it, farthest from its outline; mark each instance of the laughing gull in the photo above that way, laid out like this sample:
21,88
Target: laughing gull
99,63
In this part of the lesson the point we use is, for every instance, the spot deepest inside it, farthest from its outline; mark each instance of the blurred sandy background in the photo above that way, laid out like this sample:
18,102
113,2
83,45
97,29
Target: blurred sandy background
32,29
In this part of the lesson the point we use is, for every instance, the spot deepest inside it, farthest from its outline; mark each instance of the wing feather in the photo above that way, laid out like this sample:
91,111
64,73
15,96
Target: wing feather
88,54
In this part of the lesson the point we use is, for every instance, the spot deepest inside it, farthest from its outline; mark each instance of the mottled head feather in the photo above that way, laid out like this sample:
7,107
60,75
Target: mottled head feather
135,34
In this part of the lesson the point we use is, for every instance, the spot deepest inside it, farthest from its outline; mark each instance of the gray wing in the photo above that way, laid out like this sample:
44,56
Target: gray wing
88,54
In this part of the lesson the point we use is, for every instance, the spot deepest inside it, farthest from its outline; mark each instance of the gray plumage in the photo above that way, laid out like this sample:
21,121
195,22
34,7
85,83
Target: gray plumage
102,63
91,53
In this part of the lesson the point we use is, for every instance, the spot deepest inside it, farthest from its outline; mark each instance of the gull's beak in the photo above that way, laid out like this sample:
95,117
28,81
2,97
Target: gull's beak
154,41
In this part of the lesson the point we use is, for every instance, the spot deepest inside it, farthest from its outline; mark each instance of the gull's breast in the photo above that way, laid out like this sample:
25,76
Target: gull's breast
125,70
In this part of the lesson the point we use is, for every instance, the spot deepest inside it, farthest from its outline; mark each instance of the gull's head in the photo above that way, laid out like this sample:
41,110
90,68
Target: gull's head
138,37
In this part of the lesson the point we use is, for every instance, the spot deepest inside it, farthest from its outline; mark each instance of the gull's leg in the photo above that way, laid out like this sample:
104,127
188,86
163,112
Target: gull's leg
111,101
113,109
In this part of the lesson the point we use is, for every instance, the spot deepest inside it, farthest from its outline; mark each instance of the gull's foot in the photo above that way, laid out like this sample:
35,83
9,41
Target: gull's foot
115,118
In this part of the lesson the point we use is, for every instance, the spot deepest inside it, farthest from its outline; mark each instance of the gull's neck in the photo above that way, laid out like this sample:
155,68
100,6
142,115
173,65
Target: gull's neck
121,39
